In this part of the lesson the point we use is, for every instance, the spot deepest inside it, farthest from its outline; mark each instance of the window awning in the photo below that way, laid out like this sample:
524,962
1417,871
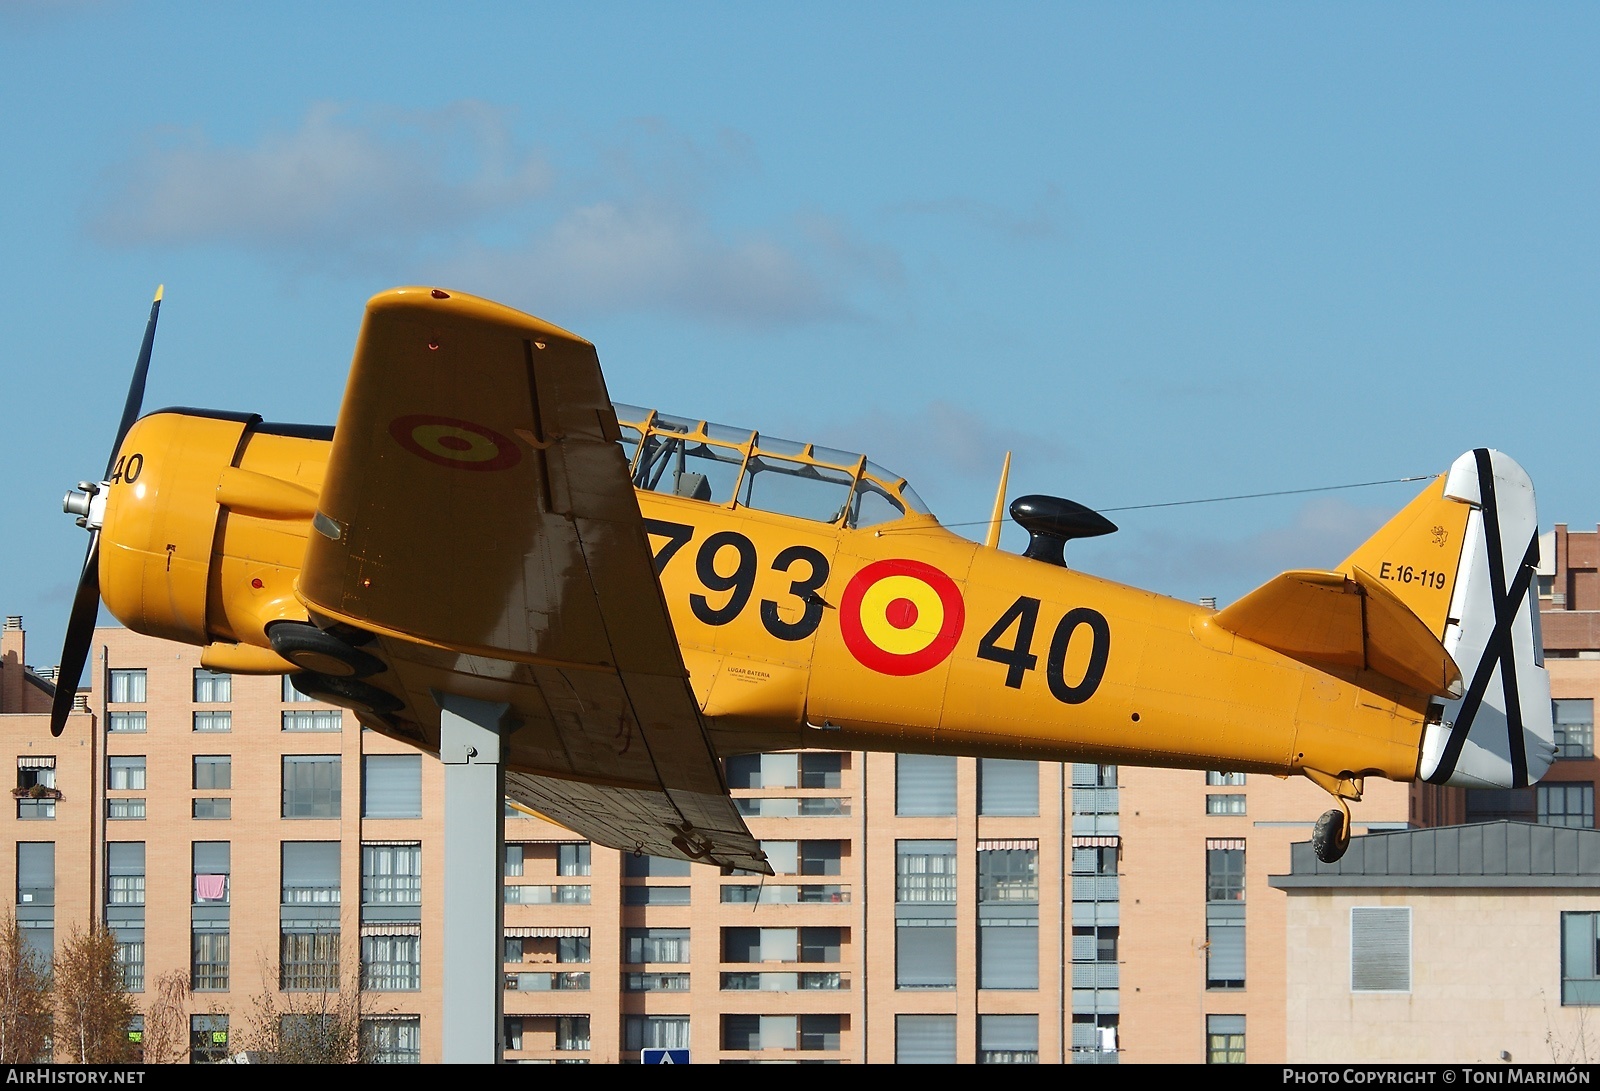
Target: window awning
545,932
1099,842
1224,842
1024,843
391,928
36,763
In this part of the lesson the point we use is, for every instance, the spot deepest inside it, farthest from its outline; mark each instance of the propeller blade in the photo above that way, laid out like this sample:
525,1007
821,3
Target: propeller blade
80,635
130,408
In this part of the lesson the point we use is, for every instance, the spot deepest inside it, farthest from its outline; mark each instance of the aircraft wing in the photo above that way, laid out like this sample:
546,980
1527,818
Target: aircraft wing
477,517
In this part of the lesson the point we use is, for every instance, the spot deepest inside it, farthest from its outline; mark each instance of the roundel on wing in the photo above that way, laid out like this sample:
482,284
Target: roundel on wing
901,617
458,444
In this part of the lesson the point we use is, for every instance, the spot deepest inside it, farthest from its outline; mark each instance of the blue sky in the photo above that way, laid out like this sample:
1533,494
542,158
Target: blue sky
1160,251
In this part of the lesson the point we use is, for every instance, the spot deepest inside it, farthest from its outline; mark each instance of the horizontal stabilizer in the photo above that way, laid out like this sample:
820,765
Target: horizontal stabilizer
1328,619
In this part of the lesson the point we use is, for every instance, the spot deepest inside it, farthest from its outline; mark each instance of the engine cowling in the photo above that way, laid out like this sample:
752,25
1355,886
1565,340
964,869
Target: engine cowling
205,529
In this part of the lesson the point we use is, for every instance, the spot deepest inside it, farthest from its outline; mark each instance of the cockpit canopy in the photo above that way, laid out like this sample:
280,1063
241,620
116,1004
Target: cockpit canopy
722,465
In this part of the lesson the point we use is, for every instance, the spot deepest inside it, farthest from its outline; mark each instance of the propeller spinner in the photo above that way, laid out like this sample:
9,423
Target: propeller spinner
88,503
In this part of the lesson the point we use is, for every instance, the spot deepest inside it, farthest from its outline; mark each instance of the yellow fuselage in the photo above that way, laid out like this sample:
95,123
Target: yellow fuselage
796,633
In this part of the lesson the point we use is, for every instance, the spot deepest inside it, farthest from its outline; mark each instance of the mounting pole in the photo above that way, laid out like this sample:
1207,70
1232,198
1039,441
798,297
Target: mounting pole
470,737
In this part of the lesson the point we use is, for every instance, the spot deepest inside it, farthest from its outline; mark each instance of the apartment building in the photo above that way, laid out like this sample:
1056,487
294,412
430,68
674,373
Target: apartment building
926,909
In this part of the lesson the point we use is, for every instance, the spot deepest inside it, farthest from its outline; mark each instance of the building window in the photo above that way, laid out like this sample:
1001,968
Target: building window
36,792
392,1039
804,857
126,722
391,786
124,809
1380,949
309,960
1217,779
38,774
925,953
391,963
1225,803
220,720
512,1033
128,687
1566,805
924,784
1008,1039
670,867
653,895
572,1032
1094,1038
820,769
36,873
1225,873
1008,953
644,945
391,874
208,1039
1225,914
1008,871
213,771
816,769
514,854
292,696
313,719
924,1039
1580,958
1574,727
755,1032
311,787
213,807
125,873
925,871
654,1032
1224,1039
572,859
1496,804
126,774
130,960
1008,787
212,687
212,866
310,873
209,962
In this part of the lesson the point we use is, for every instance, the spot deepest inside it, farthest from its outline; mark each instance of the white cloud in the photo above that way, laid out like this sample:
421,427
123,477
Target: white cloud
448,198
343,181
655,255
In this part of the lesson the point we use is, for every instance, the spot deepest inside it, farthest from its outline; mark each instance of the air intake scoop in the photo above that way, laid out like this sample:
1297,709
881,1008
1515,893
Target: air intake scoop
1051,521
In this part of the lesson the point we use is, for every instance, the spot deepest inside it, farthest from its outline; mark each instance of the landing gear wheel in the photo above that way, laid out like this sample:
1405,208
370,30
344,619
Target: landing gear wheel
346,693
319,651
1331,836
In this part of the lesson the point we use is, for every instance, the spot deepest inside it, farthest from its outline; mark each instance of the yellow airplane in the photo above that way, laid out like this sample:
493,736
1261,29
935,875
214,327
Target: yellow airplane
652,593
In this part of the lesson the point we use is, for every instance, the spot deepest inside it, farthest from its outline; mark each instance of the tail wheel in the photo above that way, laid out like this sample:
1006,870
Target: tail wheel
320,651
1331,836
349,693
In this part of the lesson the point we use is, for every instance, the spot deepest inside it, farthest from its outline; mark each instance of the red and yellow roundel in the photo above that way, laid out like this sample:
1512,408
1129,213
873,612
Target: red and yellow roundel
458,444
901,617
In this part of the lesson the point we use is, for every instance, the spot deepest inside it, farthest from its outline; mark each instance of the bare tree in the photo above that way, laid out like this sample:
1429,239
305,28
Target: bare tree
24,997
166,1020
314,1026
93,1008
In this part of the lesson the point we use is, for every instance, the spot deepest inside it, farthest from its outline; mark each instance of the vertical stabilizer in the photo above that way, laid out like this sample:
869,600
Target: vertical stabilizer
1499,733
